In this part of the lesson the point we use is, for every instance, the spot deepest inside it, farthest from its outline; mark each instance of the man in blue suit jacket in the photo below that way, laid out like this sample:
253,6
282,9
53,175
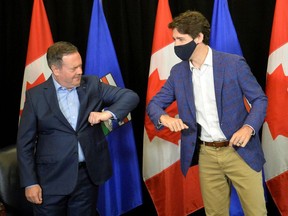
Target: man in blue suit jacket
62,151
209,87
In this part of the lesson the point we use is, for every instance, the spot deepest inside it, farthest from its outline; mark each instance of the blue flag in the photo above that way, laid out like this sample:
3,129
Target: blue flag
224,38
123,191
223,34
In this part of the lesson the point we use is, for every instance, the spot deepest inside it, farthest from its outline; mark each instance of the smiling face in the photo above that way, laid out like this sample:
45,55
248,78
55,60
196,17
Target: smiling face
69,74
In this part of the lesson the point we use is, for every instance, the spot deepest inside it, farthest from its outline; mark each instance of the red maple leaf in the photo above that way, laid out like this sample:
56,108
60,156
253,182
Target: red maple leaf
38,81
154,86
277,93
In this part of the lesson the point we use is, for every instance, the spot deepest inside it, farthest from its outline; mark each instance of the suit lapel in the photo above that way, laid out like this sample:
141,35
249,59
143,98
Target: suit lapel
51,97
83,99
218,80
188,88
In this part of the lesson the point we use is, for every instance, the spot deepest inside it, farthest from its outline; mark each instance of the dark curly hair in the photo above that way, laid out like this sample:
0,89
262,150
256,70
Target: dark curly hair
192,23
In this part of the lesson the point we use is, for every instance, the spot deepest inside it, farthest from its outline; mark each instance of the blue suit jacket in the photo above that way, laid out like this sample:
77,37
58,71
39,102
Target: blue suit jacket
47,145
232,80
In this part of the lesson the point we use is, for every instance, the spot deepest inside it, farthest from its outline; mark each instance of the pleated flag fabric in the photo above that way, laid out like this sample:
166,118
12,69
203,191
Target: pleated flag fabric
123,191
275,128
224,38
40,38
171,193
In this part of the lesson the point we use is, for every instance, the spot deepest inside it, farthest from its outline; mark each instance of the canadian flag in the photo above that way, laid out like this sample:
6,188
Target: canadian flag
275,127
40,38
171,193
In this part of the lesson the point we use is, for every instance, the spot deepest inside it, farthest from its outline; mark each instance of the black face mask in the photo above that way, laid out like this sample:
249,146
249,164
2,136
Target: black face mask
185,51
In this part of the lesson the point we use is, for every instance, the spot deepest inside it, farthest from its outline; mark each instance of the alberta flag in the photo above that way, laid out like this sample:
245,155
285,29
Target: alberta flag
122,192
224,38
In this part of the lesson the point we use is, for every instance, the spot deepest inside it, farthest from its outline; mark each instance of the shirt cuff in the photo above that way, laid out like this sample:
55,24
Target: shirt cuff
114,117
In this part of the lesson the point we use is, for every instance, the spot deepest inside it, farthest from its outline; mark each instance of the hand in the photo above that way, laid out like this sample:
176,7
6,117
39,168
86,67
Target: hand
174,124
242,136
34,194
97,117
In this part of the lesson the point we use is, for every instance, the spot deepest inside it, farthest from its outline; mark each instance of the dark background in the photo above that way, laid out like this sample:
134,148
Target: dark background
131,23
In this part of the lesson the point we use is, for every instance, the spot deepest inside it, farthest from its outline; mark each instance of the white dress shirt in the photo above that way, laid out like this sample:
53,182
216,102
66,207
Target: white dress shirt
205,101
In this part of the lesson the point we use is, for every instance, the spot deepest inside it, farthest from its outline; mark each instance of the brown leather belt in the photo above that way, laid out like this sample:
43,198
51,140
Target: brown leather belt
216,144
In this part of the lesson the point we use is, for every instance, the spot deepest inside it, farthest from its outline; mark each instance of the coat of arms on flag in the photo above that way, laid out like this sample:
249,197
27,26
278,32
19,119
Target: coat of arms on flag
109,125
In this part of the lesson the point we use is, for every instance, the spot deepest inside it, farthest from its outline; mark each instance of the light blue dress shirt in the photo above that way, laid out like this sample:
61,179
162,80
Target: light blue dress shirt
69,104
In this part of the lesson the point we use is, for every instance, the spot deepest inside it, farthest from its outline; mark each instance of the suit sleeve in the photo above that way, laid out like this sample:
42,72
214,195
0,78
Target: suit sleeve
119,101
26,141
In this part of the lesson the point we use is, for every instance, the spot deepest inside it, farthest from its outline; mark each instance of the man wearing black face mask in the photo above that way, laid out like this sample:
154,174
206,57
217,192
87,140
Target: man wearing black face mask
209,88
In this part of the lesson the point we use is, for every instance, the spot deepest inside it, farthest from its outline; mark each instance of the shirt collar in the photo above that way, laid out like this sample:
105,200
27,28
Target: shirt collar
58,86
207,61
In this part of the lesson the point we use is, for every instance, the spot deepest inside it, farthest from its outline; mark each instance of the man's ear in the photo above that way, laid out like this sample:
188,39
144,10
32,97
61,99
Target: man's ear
55,69
199,38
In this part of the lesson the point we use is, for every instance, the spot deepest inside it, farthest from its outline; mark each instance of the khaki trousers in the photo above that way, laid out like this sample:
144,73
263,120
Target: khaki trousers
219,167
